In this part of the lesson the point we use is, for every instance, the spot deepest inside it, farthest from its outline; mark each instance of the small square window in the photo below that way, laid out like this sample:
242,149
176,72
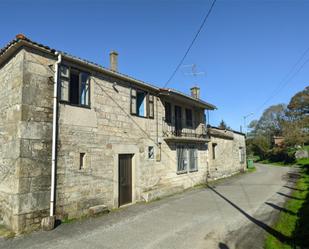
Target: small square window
150,152
82,157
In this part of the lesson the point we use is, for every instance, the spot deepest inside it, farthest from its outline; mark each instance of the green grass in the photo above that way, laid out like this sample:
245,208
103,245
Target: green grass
295,223
251,169
276,163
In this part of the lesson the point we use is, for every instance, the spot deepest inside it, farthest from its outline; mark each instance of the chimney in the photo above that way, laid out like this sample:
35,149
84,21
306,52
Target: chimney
113,58
195,92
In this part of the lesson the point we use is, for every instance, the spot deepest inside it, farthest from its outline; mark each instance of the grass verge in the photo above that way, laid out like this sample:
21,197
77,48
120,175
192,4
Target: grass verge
293,221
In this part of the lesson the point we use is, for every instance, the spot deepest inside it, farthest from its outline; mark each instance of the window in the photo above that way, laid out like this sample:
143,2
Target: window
193,159
187,159
168,112
150,152
82,160
214,145
74,86
189,117
142,103
241,155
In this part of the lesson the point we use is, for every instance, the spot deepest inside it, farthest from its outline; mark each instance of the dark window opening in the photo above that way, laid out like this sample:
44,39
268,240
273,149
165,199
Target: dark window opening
213,151
168,112
189,117
75,86
82,160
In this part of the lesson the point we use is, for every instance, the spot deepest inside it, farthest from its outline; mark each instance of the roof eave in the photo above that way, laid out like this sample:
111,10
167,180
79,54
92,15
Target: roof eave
180,96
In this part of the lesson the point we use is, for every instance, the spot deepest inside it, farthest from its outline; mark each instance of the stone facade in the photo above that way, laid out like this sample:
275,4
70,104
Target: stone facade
227,153
101,133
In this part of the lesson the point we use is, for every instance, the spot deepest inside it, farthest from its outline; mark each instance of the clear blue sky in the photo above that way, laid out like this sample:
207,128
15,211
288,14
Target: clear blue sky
245,49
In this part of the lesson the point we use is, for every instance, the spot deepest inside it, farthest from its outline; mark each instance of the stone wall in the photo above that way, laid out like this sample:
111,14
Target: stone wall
35,137
10,116
227,160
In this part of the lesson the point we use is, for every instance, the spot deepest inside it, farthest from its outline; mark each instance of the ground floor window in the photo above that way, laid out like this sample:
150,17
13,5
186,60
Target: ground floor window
187,158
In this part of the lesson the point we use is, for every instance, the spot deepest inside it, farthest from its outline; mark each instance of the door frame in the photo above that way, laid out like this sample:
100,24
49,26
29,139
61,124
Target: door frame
125,149
130,156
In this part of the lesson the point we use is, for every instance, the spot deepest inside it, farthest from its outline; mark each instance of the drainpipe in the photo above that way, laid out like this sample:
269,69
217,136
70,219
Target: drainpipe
54,142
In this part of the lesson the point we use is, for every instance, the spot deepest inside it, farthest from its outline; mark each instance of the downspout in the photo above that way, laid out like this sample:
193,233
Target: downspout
54,136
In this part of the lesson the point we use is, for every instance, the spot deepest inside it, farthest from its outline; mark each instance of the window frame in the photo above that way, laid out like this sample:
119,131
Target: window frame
68,102
187,150
149,100
153,155
82,160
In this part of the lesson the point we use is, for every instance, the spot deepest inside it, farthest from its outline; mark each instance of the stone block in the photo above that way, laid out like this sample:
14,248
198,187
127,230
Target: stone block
99,209
48,223
301,154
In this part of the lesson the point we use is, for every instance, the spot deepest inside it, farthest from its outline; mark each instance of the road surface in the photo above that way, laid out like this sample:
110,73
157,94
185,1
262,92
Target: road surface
234,213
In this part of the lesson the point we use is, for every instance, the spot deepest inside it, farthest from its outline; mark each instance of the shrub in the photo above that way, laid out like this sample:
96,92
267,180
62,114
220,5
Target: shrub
281,154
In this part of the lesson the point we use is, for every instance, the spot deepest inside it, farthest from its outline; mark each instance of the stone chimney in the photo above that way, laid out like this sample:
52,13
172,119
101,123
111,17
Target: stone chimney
113,58
195,92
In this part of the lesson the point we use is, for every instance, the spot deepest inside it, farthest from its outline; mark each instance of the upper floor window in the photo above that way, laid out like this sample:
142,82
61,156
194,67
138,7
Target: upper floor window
168,112
142,103
74,86
189,117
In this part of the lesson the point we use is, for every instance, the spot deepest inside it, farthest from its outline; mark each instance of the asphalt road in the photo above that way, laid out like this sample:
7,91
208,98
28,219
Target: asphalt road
234,213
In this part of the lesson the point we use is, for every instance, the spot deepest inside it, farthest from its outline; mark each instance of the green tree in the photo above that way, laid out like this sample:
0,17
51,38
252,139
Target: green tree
296,126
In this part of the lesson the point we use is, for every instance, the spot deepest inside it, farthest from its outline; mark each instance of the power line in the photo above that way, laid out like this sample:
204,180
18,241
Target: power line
191,44
287,79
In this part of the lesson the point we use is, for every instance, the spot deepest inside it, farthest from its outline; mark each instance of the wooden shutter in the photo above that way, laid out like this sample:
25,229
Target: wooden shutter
64,83
133,101
150,106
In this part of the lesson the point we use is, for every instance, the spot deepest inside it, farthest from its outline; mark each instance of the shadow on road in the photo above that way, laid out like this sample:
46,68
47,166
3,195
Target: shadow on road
223,246
281,237
281,209
289,187
289,196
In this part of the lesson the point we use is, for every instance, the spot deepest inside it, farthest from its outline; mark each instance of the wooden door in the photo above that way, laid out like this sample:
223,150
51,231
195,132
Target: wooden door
125,179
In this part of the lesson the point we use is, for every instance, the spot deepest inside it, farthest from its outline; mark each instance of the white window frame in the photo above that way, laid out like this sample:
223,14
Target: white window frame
187,159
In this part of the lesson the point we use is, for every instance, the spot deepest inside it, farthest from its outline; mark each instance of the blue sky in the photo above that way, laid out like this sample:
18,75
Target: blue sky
245,49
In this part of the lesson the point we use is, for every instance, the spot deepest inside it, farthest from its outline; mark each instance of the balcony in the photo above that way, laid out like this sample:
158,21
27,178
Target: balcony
198,135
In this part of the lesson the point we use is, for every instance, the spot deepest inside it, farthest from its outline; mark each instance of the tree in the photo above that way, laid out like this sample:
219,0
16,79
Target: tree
299,104
258,145
270,123
296,126
223,125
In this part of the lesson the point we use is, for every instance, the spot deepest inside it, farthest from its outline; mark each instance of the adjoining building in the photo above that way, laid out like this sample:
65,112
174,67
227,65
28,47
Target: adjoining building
75,135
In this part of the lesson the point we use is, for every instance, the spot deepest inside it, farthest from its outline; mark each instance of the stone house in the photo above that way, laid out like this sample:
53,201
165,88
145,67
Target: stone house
75,135
227,152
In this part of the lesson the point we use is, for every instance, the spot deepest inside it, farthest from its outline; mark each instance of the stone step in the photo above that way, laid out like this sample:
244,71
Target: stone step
161,192
99,209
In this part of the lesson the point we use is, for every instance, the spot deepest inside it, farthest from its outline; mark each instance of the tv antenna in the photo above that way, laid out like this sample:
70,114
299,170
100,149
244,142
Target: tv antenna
191,70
